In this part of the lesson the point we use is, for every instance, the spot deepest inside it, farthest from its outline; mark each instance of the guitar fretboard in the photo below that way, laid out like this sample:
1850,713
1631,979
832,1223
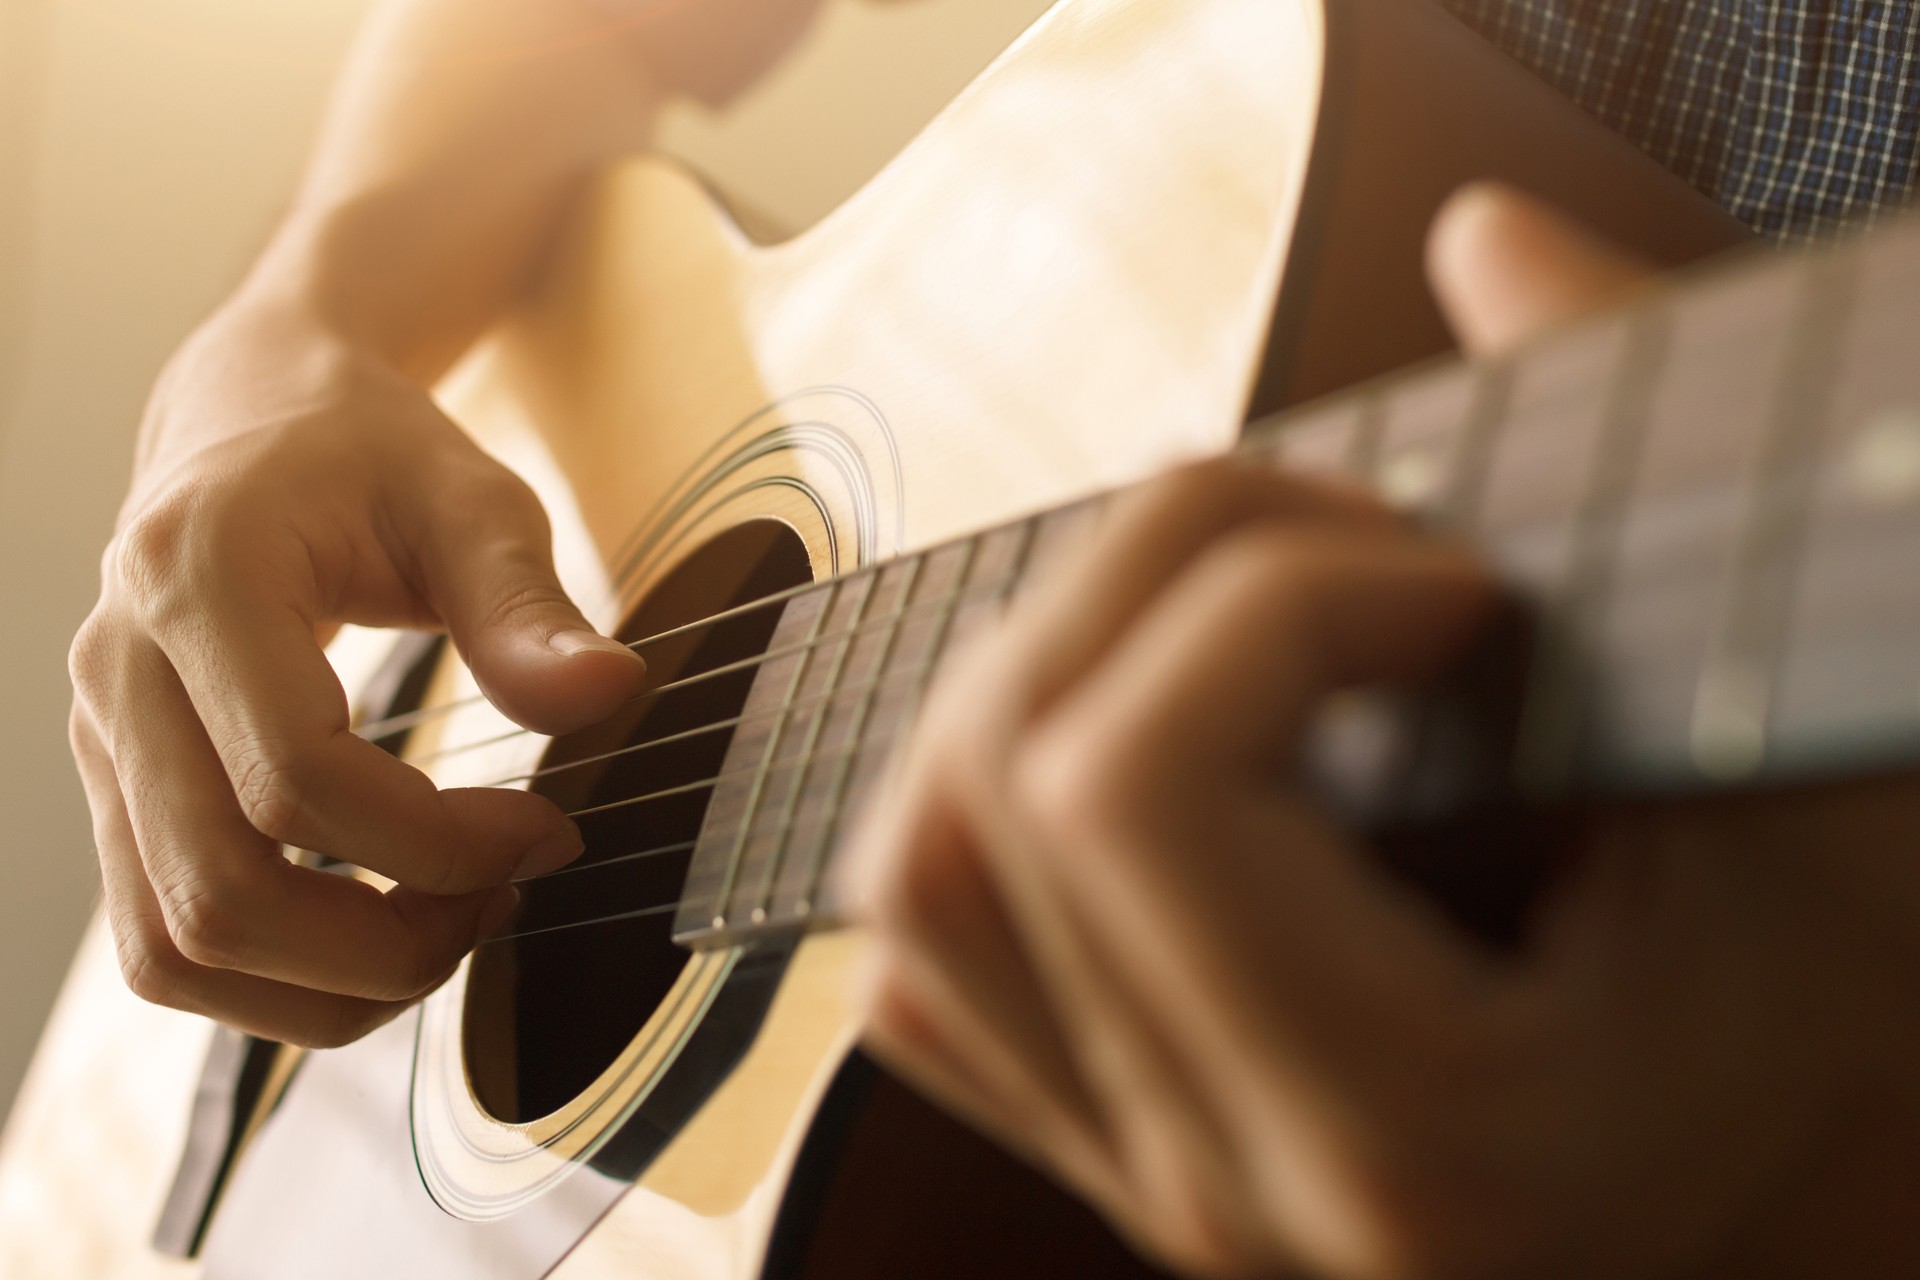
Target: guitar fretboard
1711,499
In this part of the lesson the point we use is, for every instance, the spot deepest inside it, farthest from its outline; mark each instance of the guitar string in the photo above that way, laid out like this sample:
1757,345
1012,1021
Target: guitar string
725,775
390,725
951,598
660,910
824,823
661,851
894,618
787,827
684,735
1266,438
806,761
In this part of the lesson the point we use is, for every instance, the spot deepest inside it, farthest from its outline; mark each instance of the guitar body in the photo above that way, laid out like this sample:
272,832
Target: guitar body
1068,282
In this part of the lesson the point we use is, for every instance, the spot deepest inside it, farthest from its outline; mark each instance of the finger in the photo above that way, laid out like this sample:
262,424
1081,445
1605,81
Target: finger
1207,935
486,567
1506,267
1082,604
932,1034
942,921
916,872
957,1007
1216,893
274,711
228,897
970,1019
153,967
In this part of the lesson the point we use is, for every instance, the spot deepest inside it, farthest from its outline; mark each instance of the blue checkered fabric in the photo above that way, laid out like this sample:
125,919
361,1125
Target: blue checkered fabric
1800,116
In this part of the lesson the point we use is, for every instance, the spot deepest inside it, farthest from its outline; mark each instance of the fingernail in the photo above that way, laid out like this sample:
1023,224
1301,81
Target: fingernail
568,643
499,910
552,853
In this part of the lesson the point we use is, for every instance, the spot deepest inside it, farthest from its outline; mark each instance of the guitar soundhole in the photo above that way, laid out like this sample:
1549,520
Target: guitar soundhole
546,1014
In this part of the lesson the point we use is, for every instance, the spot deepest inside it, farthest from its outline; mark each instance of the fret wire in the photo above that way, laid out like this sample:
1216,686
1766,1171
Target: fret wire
837,796
713,728
819,824
1265,438
1485,419
917,686
726,775
731,668
1363,451
857,736
1735,689
1455,508
1271,426
702,729
1549,730
766,759
784,825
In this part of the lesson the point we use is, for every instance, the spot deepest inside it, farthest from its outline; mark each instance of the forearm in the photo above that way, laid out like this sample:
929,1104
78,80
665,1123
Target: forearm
457,137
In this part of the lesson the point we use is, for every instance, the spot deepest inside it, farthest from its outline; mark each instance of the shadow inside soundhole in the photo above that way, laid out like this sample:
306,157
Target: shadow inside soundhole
546,1014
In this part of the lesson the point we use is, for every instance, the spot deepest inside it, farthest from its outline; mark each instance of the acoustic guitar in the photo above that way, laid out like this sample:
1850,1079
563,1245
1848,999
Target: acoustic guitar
770,468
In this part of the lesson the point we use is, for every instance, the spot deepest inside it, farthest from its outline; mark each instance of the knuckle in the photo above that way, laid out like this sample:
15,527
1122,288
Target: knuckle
1205,487
489,497
1269,569
1204,480
149,966
440,871
1077,785
919,896
534,595
149,976
148,557
895,1019
416,976
266,782
1272,561
513,498
523,507
203,924
163,559
90,656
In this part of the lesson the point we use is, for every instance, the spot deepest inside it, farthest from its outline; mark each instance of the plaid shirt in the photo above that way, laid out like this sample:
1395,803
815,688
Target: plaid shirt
1800,116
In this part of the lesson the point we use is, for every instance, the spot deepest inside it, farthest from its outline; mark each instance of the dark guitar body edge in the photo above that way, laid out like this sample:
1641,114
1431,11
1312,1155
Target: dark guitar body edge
888,1185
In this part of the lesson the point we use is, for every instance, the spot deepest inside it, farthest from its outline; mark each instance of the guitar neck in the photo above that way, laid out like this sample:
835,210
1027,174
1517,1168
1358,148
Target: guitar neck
1706,499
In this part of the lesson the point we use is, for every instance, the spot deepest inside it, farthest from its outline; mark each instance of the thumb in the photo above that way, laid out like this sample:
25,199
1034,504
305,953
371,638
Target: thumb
488,570
1506,267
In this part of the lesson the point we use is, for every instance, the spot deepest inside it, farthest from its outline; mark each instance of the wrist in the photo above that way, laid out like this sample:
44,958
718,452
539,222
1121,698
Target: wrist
258,360
331,277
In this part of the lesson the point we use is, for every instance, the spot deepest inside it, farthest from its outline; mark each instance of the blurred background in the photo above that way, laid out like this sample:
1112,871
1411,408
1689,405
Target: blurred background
145,148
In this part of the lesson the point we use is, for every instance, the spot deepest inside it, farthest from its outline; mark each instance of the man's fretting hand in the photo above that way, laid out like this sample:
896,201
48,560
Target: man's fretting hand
1113,931
289,481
